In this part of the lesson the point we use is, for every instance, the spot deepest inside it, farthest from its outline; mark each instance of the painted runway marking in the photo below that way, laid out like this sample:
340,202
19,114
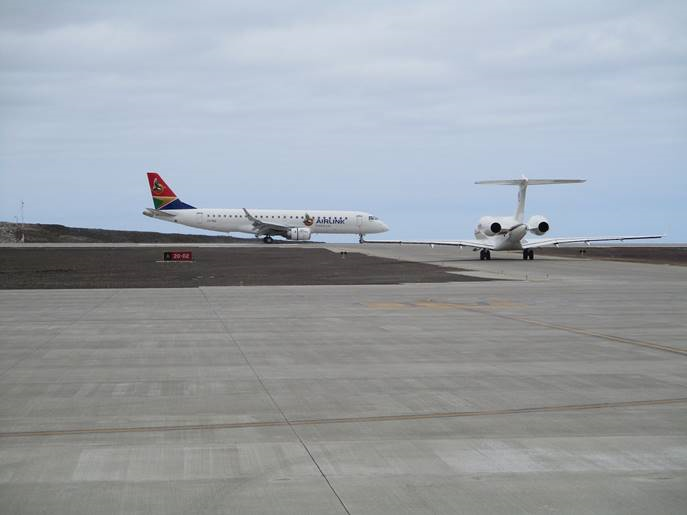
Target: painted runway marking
348,420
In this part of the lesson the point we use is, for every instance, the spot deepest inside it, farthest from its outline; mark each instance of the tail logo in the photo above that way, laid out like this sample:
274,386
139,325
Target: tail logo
308,220
157,187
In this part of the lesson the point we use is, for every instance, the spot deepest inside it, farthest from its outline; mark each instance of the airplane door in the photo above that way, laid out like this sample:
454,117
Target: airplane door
359,222
199,219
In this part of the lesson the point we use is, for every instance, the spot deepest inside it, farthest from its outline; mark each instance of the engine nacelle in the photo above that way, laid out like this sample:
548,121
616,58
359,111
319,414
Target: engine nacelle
298,234
489,226
538,225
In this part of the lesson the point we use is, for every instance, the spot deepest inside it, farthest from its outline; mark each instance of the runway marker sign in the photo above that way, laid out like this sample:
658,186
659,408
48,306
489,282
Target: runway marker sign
178,256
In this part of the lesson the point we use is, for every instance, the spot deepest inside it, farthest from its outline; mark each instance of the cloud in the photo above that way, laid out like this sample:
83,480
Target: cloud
351,101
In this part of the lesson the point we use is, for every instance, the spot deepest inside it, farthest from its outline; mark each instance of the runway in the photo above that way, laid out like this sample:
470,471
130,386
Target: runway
560,388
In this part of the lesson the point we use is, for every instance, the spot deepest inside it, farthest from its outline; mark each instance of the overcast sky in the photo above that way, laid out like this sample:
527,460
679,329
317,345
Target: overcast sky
390,107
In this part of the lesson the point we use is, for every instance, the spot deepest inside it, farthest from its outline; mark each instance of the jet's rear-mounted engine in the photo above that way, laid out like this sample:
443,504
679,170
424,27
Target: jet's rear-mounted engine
490,227
298,234
538,225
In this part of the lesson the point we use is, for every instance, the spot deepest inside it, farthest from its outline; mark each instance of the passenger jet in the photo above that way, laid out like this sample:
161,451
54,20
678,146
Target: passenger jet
295,225
508,232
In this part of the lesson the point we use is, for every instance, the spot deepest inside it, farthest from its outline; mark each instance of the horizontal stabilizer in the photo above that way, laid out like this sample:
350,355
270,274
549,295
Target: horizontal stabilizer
530,182
522,184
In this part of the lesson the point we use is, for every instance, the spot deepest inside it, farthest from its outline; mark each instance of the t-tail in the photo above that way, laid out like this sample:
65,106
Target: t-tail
163,196
522,189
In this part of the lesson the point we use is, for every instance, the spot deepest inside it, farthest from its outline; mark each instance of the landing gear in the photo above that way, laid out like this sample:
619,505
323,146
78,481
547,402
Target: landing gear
528,254
484,254
361,238
268,239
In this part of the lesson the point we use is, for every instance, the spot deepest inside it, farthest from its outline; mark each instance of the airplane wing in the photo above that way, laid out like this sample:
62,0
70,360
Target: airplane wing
478,244
533,244
266,227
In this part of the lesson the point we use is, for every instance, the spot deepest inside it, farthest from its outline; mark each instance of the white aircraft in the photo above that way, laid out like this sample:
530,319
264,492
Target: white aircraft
508,232
265,223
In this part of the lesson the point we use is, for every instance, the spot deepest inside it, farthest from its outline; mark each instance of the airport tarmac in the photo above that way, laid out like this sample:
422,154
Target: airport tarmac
560,389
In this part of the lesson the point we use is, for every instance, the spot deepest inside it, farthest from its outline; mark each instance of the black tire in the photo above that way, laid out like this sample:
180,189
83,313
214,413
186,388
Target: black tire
488,255
268,239
531,254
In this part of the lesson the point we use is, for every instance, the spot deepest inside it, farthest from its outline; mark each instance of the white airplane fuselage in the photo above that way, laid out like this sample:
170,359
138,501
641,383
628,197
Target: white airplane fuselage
510,237
235,220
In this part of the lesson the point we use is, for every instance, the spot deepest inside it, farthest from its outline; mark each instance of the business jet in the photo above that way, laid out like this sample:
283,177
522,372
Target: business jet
508,232
297,225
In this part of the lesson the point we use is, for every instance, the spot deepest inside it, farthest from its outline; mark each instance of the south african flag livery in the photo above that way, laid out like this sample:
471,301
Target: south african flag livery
163,196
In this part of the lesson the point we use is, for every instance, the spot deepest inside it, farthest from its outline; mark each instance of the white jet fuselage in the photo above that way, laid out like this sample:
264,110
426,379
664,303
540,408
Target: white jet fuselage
510,236
235,220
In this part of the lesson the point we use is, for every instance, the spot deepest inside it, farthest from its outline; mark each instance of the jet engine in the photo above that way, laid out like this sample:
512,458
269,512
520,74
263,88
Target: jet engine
538,225
489,226
298,234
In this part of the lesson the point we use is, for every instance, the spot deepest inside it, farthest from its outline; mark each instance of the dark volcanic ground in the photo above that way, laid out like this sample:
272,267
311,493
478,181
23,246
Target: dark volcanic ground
53,233
22,268
656,255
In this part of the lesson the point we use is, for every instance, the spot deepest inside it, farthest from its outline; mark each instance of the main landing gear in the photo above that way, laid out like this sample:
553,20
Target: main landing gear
484,254
527,254
268,239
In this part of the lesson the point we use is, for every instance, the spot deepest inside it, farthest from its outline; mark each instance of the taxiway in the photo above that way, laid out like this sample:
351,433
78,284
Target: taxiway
560,389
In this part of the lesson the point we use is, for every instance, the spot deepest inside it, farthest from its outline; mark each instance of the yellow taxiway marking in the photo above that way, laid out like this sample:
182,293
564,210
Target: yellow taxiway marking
349,420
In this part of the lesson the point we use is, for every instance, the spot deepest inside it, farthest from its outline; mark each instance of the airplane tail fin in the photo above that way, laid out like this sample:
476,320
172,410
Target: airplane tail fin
522,189
163,196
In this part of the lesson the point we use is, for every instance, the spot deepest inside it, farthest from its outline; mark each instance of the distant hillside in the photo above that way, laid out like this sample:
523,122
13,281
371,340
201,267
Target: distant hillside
52,233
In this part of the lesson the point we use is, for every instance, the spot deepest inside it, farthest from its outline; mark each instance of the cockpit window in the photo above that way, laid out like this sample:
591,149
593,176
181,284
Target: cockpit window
372,218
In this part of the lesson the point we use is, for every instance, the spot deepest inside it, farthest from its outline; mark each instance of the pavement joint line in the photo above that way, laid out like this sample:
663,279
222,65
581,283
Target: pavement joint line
59,331
483,309
349,420
584,332
286,421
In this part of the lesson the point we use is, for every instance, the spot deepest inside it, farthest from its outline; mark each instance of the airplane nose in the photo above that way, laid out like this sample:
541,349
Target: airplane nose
383,226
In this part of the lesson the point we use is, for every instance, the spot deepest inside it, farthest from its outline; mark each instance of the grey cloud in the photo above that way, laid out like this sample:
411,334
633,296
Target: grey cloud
355,100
